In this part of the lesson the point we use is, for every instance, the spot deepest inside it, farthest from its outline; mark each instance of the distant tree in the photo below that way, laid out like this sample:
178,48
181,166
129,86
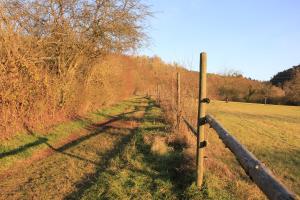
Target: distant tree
292,89
228,92
232,73
269,93
250,92
265,92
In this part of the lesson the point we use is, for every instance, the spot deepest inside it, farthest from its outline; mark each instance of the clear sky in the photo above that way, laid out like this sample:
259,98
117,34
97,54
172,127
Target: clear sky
256,37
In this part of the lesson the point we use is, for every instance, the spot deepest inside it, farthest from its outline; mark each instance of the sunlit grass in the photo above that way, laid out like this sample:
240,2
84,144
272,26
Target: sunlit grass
24,144
122,163
271,132
137,172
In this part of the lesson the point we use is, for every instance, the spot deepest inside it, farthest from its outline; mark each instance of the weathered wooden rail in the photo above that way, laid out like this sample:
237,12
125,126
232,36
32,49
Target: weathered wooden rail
257,171
260,175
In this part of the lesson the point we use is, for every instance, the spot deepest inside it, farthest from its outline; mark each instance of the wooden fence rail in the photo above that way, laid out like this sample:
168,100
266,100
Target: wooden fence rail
260,175
192,129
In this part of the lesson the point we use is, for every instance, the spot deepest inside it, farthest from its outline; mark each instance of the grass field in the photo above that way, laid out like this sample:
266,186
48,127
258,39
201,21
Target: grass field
25,144
118,153
128,152
271,132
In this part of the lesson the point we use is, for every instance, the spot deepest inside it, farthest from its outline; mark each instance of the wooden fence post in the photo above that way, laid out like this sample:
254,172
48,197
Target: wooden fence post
157,94
178,102
201,117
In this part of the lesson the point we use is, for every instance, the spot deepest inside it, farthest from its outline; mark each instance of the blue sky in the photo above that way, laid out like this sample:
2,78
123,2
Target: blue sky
256,37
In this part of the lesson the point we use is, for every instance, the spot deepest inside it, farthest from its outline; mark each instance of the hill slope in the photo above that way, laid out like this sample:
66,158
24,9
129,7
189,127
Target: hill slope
284,76
289,81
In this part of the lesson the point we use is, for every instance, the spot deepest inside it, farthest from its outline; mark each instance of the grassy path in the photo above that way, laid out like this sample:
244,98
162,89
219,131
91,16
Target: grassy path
113,159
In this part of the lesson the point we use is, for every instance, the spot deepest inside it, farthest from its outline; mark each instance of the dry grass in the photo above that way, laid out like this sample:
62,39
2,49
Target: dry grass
72,160
159,146
269,131
114,160
138,157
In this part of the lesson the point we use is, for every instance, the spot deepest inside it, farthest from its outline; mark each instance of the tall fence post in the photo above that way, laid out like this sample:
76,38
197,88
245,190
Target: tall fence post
201,118
178,102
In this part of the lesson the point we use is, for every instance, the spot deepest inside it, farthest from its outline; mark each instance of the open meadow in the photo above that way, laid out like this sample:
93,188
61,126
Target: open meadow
128,151
270,132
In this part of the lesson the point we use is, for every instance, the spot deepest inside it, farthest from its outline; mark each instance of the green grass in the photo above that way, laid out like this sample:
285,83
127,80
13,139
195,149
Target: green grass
271,132
112,161
138,173
117,161
24,144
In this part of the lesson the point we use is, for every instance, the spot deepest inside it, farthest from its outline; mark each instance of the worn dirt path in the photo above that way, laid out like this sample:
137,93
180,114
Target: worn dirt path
55,172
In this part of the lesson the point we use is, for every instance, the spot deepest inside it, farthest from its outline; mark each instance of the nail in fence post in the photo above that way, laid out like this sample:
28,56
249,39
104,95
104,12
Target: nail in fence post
201,115
178,102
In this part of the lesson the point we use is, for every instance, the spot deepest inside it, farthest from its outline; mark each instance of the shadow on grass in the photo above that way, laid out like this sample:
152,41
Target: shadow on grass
23,148
168,168
90,179
171,167
67,146
96,129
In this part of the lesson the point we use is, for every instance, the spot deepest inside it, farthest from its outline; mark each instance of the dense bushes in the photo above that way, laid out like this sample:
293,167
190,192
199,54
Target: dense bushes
52,56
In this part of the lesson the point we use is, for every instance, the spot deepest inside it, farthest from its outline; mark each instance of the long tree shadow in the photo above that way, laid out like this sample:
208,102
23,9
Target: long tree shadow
122,115
62,149
97,128
172,166
90,179
23,148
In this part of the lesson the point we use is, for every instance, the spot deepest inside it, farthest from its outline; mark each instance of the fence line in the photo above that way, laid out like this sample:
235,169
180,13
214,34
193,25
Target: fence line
192,129
259,173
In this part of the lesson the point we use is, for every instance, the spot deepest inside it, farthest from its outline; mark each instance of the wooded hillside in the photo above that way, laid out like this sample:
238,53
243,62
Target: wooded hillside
289,81
284,76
